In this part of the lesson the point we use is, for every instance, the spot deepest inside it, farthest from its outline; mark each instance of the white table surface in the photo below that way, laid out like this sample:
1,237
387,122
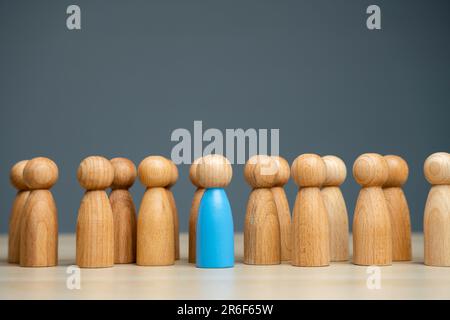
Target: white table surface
405,280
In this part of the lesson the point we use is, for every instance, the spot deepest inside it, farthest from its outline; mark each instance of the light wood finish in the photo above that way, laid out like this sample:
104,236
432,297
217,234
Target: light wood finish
16,179
437,211
155,171
39,221
283,210
155,229
402,280
214,171
155,238
310,225
262,242
95,223
372,233
173,206
193,213
336,208
284,220
262,239
398,208
124,211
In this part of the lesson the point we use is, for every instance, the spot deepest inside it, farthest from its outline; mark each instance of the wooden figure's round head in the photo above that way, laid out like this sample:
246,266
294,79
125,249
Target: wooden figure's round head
398,171
124,173
437,168
308,170
193,172
214,171
16,175
283,171
155,171
336,171
40,173
260,171
174,175
95,173
370,170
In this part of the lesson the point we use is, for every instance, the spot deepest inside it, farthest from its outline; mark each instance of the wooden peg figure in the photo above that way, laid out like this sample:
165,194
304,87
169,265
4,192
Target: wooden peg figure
155,230
336,208
17,180
124,211
310,225
398,208
372,232
39,225
193,214
437,210
95,224
173,206
283,210
262,240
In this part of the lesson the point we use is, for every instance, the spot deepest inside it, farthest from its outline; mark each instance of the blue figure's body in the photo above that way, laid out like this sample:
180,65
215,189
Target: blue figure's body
215,232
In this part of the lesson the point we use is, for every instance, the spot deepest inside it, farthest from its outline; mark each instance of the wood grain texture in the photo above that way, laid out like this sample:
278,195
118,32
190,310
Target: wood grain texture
155,230
193,214
39,231
284,220
124,211
39,221
262,241
401,224
437,227
372,233
338,220
125,228
176,227
95,231
310,225
310,232
398,172
336,208
14,226
437,210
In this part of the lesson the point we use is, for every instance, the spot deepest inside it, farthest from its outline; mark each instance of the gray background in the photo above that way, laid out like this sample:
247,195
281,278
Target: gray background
140,69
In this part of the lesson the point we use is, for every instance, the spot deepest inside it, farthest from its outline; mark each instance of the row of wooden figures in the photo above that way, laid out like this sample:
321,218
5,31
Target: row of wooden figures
108,231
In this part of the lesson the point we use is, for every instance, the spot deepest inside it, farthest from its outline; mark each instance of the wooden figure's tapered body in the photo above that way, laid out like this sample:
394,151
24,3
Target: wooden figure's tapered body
400,223
437,227
176,227
336,172
95,224
437,211
39,221
95,231
372,233
284,220
310,232
155,241
14,226
338,222
17,181
310,225
193,215
124,211
156,226
39,231
124,216
262,241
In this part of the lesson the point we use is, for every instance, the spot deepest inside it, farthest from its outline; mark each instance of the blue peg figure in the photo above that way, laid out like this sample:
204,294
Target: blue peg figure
215,234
